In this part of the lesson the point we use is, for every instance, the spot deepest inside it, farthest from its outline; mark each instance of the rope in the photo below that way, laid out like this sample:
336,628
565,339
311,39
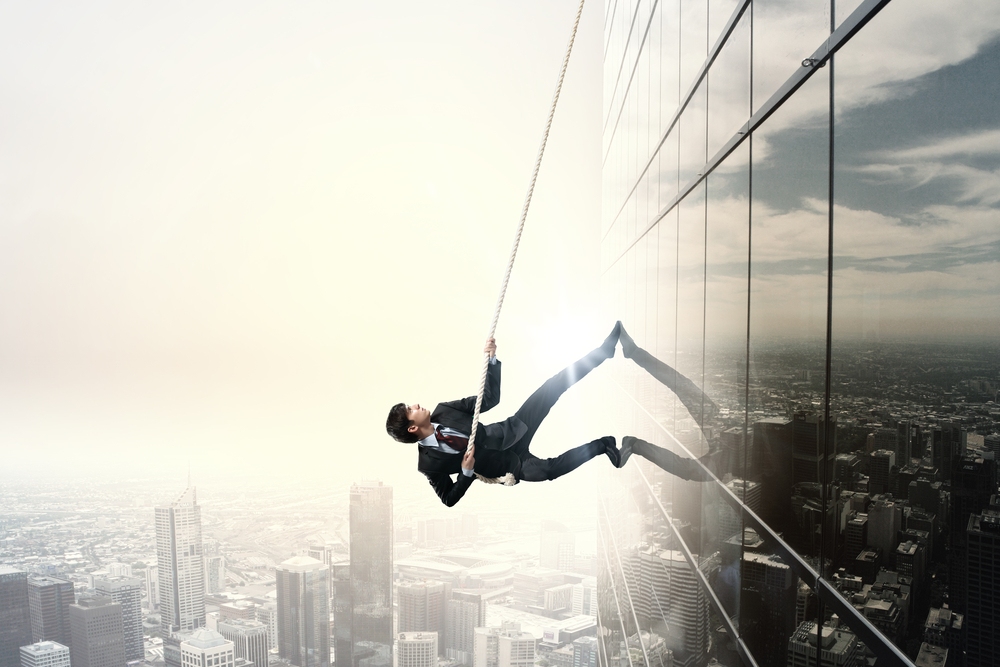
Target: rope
508,479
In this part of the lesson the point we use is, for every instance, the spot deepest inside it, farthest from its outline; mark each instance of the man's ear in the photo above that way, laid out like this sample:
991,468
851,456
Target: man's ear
412,428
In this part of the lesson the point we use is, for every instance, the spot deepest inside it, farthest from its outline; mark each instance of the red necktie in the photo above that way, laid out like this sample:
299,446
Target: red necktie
457,442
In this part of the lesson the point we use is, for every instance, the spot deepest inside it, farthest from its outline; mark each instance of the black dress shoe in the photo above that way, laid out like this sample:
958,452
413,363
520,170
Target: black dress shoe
626,449
611,450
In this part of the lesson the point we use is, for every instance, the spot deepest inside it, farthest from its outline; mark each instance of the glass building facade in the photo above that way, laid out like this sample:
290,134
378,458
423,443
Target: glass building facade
800,235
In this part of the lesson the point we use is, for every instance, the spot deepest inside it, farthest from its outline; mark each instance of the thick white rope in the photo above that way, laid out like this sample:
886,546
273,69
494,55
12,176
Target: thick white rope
508,479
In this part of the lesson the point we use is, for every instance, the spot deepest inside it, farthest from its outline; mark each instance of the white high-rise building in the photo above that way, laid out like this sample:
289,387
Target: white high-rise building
126,591
673,590
417,649
45,654
249,638
204,648
120,570
268,615
180,563
585,597
505,646
152,589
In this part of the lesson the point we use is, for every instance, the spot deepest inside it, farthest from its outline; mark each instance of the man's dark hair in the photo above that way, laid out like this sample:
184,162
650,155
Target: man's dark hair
398,423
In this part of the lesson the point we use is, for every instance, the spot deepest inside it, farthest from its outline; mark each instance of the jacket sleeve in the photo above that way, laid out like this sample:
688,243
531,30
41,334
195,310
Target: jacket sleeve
448,491
491,393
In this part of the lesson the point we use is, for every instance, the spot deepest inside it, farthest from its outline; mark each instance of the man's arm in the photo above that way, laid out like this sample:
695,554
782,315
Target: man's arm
448,491
491,393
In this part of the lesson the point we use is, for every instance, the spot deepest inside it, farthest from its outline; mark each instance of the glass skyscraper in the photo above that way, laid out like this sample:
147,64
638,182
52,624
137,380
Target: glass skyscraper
180,564
800,235
371,574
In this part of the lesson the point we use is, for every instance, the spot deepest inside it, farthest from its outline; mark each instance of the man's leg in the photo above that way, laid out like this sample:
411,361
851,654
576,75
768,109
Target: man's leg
664,459
537,407
534,469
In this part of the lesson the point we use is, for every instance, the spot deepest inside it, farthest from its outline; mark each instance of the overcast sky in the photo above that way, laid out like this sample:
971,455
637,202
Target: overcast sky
232,234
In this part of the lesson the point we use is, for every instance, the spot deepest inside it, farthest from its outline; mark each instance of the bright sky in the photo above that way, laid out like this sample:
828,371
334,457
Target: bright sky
232,234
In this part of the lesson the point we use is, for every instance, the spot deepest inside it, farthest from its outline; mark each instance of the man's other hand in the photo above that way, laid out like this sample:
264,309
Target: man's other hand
469,459
491,347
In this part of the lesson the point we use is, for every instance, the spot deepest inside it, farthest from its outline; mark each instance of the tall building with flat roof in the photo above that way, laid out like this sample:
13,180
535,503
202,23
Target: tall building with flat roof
15,618
371,571
421,607
506,646
207,648
49,599
465,613
98,635
45,654
249,639
304,612
838,647
982,564
768,592
215,574
417,649
180,563
126,591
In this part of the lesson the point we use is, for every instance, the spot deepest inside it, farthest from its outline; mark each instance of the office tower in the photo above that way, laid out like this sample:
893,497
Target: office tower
904,442
880,462
98,636
371,571
669,590
126,591
340,573
249,640
15,619
586,652
180,565
911,561
585,597
215,574
730,521
119,570
206,648
417,649
974,480
772,467
172,648
304,612
243,610
944,627
855,535
982,597
809,433
268,615
845,467
466,612
948,442
557,546
885,520
152,589
505,646
49,599
767,606
45,654
839,648
421,607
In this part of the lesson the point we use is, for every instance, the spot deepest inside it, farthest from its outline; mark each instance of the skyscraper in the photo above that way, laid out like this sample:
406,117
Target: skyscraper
505,646
557,546
809,434
465,613
421,606
126,591
98,636
974,480
268,615
371,570
215,574
341,586
180,565
982,618
768,592
45,654
206,648
15,619
417,649
49,599
304,612
249,640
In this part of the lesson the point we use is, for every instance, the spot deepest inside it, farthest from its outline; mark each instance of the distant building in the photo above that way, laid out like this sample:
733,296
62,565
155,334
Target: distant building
768,592
974,481
730,522
885,520
49,599
585,597
304,612
465,612
809,435
119,570
180,565
943,627
557,546
126,591
371,573
97,631
249,639
268,615
880,463
586,652
152,589
243,610
505,646
840,648
215,574
45,654
421,607
207,648
933,656
417,649
15,619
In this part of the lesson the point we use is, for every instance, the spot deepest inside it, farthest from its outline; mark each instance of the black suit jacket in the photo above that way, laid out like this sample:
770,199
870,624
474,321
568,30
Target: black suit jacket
493,442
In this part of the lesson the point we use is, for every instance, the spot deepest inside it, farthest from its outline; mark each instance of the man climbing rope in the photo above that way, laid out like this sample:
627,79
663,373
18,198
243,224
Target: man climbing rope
442,435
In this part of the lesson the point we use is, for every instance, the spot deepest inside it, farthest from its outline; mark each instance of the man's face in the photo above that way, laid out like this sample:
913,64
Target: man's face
419,417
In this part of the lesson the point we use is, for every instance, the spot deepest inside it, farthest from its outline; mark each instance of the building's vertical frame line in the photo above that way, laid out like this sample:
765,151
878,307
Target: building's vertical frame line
828,430
746,351
677,215
704,265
